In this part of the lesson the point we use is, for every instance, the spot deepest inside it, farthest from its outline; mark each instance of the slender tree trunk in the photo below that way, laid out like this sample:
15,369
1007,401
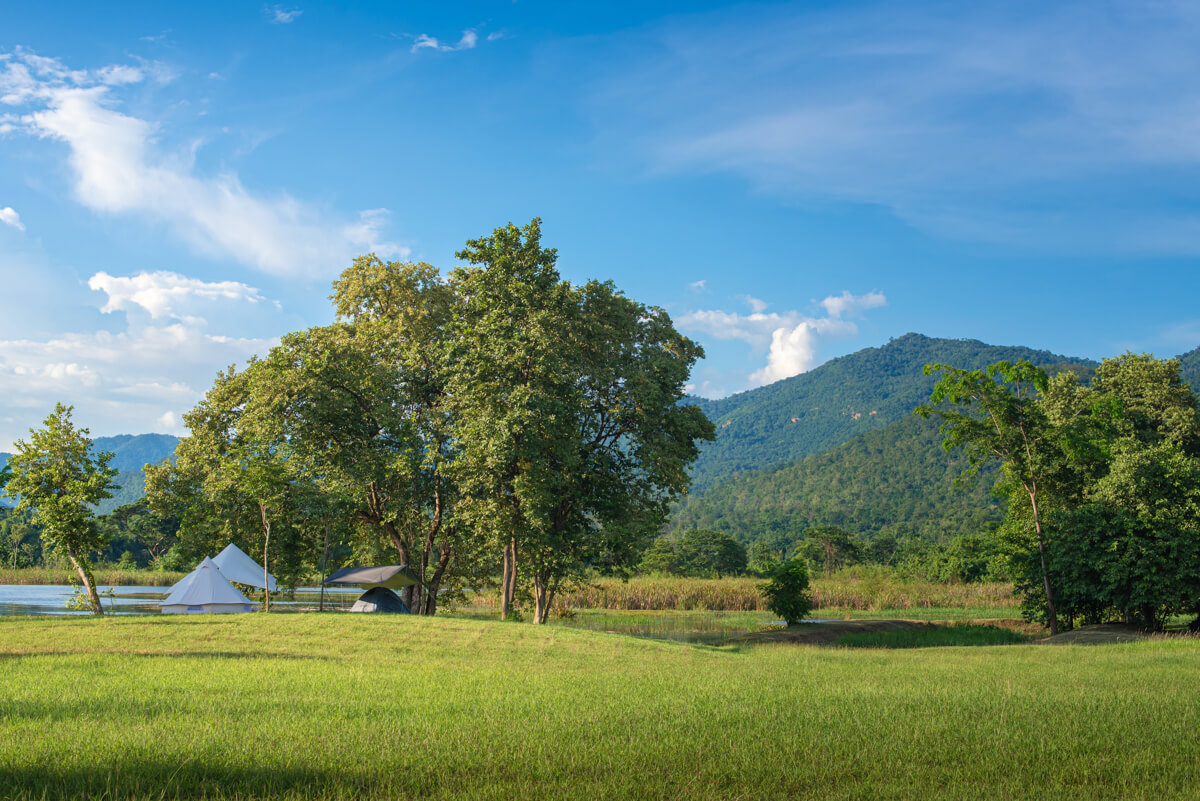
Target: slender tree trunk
89,585
262,508
1037,525
324,565
508,589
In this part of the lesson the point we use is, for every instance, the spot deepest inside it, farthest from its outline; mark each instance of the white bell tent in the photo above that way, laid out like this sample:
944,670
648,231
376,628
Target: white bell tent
205,591
234,566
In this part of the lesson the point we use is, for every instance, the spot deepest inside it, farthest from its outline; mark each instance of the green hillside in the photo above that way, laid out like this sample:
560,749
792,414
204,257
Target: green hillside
131,452
838,401
1189,368
895,480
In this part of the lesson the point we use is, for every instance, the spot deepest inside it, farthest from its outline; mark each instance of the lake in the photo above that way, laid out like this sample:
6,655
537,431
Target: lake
51,599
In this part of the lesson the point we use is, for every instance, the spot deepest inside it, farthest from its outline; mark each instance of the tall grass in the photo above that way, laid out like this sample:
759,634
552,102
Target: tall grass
855,592
397,707
110,576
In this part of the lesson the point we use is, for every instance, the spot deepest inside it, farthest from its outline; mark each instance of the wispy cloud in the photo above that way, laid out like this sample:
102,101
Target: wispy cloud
1070,124
278,15
119,168
9,216
166,294
789,340
698,286
467,41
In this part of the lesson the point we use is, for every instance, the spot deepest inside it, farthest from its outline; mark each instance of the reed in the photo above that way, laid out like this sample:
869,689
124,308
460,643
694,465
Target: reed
870,592
106,576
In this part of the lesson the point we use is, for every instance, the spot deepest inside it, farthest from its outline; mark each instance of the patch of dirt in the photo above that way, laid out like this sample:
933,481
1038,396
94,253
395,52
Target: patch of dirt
825,633
1097,635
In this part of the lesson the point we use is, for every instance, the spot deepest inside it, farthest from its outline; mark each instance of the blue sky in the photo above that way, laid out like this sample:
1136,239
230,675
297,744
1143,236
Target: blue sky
180,184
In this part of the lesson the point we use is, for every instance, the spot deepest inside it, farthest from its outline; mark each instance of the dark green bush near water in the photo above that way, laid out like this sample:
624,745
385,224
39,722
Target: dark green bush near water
787,591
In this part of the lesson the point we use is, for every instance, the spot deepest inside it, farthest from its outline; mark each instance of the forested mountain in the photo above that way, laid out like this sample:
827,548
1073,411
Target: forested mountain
1189,368
131,452
895,480
843,398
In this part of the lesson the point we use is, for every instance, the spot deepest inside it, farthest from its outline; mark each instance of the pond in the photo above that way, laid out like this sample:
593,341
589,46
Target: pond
51,599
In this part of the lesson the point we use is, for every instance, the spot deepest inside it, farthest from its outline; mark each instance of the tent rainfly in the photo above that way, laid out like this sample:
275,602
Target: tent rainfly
392,577
206,592
380,599
236,566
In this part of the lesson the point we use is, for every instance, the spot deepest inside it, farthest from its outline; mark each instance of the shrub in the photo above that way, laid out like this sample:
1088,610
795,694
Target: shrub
787,591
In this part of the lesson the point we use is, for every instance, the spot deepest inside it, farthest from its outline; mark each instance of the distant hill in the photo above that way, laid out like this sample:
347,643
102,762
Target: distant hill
894,480
131,452
813,412
1189,368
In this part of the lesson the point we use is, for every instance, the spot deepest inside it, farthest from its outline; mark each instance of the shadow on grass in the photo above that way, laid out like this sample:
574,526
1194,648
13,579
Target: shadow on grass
173,655
155,779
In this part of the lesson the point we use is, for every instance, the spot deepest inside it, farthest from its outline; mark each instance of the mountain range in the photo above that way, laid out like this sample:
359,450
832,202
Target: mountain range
838,445
131,452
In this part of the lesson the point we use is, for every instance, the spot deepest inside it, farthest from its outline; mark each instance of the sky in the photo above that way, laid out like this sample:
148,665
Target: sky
180,183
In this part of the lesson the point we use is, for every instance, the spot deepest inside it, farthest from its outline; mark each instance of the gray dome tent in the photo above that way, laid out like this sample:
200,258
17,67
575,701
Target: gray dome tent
380,599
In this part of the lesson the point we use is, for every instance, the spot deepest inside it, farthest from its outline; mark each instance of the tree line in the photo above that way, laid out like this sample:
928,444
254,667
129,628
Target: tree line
1102,482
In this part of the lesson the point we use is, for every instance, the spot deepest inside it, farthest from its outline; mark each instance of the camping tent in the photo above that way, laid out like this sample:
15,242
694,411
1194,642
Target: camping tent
391,576
207,591
236,566
380,599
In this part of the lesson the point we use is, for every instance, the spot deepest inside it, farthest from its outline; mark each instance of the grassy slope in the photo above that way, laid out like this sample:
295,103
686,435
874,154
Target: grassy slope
385,707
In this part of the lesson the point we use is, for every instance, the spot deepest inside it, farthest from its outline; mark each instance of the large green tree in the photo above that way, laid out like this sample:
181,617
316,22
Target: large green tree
1002,420
56,476
566,406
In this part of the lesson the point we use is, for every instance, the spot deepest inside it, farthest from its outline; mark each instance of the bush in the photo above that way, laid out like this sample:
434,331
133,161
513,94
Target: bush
787,591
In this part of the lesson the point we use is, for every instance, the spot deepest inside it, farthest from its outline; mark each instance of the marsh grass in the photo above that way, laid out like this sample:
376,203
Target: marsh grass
867,592
108,576
373,707
933,637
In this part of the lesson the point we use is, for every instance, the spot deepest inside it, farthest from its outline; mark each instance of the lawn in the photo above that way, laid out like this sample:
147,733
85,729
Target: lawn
363,707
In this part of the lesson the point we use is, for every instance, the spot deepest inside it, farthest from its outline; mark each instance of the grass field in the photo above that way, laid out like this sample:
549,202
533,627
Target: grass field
364,707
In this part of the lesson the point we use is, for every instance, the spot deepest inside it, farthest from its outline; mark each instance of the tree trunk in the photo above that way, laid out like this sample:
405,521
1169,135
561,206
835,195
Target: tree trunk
1037,525
262,509
543,595
508,589
324,566
89,585
435,582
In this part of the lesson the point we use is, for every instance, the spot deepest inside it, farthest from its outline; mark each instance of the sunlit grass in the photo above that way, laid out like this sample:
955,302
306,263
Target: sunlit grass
365,707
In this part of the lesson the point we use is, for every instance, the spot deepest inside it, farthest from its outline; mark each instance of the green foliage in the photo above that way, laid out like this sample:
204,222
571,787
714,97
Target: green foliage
58,480
786,592
659,559
892,482
701,552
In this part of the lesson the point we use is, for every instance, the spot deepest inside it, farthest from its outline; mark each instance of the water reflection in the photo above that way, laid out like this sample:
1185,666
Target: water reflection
51,599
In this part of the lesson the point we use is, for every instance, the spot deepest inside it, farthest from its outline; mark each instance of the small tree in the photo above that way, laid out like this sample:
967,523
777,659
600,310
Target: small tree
56,476
787,591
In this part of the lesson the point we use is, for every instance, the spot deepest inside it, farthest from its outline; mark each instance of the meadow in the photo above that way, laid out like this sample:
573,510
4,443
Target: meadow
364,707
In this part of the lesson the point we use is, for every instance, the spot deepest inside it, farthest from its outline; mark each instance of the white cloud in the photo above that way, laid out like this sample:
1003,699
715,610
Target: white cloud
166,294
122,380
697,286
279,15
119,74
791,341
119,169
9,216
1072,124
854,305
426,42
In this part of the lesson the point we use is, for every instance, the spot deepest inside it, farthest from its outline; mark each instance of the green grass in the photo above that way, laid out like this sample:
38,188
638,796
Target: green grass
933,637
372,707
